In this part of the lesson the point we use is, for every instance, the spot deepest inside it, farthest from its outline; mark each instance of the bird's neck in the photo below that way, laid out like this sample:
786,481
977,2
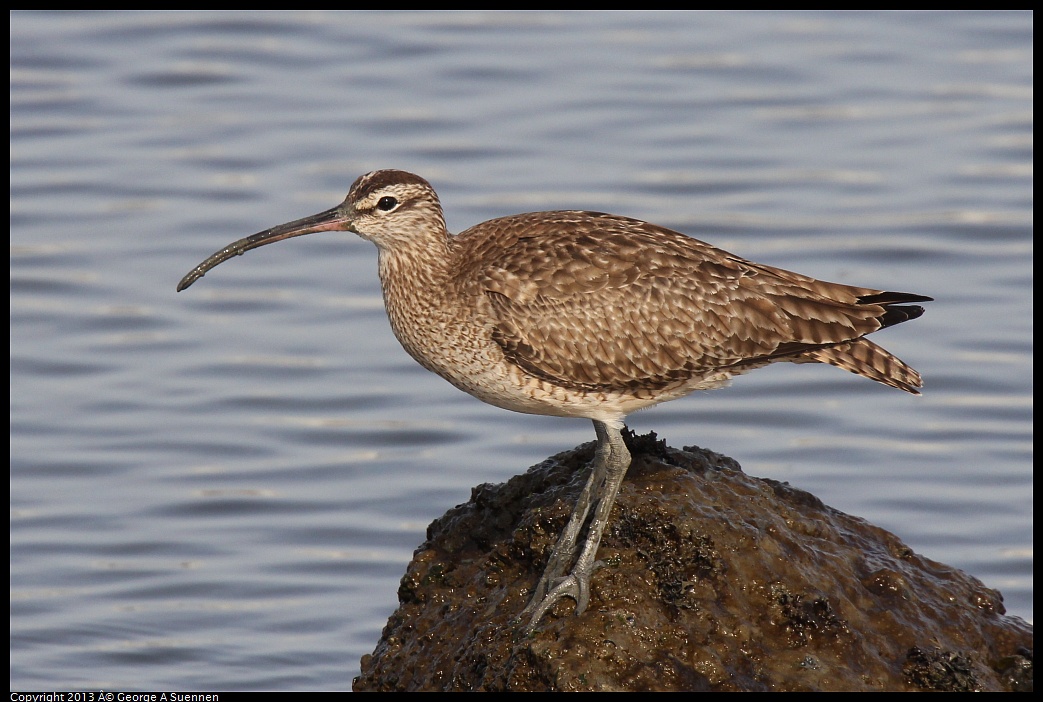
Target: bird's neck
418,297
415,267
414,276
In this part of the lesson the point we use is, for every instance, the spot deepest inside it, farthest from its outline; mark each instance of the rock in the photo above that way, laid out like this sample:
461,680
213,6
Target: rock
713,580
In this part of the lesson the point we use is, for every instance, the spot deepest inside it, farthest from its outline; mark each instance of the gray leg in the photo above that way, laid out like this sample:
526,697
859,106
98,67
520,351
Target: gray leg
610,464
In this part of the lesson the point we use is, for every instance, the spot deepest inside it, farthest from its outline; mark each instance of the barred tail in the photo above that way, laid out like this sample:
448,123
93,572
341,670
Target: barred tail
865,358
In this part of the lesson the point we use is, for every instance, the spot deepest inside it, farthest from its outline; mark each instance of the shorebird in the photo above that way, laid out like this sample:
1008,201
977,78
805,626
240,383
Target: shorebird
586,314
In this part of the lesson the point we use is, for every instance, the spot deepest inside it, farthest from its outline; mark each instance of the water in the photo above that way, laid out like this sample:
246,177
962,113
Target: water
221,488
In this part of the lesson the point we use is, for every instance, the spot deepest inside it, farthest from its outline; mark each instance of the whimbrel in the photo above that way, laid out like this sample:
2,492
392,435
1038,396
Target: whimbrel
585,314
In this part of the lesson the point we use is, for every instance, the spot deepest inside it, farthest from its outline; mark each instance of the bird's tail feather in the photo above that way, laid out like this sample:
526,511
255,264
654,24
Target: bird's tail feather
865,358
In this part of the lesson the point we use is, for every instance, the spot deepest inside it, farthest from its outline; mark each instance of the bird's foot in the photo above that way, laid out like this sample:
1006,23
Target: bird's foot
575,585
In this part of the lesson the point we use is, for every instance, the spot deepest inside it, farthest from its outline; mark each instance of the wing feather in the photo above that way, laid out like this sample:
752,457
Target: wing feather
600,302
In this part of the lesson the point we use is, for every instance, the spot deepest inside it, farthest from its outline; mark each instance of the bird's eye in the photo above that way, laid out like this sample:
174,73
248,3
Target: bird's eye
387,203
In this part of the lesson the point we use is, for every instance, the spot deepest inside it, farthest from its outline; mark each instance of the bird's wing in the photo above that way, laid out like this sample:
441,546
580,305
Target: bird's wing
609,303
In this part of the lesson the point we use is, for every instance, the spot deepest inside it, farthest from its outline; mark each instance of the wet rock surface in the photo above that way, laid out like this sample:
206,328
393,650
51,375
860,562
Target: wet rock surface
712,580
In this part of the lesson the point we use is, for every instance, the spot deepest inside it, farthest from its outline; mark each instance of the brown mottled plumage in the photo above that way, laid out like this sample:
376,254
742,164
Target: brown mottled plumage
584,314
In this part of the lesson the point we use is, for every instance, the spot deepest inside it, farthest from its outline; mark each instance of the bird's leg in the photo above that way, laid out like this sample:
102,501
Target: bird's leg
611,460
564,552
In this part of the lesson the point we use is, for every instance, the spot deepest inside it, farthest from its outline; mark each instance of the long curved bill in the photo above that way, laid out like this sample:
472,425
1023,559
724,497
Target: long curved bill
335,219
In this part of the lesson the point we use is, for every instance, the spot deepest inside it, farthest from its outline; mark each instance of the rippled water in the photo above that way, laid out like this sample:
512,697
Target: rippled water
221,488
